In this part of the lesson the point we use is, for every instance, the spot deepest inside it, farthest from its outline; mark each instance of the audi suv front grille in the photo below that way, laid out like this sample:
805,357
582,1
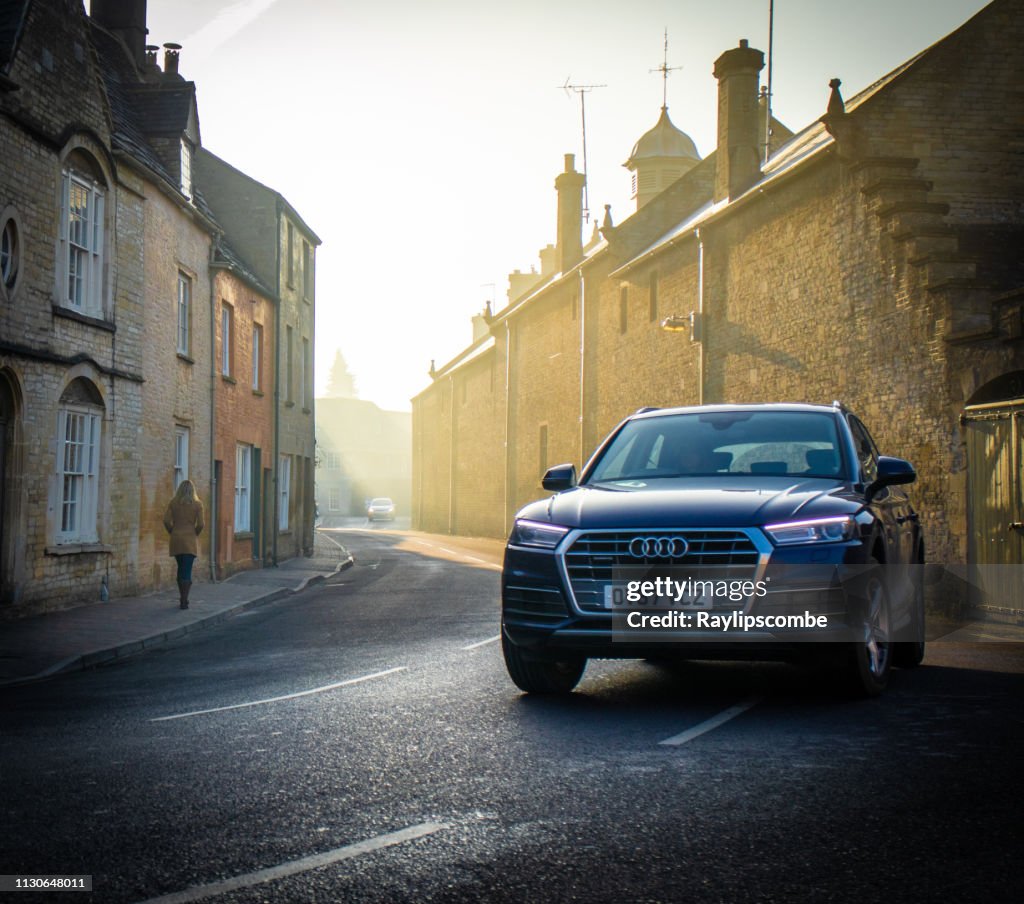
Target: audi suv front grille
592,556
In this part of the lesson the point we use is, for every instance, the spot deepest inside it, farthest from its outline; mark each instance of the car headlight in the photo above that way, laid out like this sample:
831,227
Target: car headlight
816,530
536,533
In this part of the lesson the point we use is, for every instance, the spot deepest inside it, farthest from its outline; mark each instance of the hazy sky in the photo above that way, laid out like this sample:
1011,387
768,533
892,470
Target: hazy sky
420,139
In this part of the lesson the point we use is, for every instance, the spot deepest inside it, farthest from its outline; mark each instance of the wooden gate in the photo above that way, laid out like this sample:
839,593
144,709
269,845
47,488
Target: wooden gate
995,503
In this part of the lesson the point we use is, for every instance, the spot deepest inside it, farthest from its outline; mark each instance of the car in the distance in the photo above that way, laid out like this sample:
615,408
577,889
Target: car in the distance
381,509
791,499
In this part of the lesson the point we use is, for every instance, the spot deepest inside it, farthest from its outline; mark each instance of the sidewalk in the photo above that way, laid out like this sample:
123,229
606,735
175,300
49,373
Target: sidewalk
40,646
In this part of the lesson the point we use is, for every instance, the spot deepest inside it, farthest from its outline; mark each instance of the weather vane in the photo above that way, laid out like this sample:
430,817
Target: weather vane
665,69
582,91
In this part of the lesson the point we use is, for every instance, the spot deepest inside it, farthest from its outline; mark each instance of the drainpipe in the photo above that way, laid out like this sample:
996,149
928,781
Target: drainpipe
508,409
214,514
700,316
451,454
277,384
582,313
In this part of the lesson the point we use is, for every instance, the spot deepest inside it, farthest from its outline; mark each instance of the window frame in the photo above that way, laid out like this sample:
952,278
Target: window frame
289,394
184,314
307,271
182,446
80,285
243,488
227,339
82,511
185,168
284,486
10,251
257,357
305,389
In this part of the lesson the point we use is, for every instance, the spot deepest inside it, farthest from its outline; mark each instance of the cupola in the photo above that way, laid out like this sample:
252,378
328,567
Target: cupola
659,158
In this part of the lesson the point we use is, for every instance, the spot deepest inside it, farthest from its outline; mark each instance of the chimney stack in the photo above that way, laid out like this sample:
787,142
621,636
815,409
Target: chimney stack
739,138
172,52
569,186
127,20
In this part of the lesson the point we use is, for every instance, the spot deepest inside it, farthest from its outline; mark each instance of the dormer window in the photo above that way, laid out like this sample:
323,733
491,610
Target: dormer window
186,169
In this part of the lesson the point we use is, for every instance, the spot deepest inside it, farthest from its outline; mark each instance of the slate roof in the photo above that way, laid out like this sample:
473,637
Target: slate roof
138,109
226,256
12,16
162,109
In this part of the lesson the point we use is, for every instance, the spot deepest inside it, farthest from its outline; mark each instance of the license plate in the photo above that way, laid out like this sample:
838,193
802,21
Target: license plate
615,598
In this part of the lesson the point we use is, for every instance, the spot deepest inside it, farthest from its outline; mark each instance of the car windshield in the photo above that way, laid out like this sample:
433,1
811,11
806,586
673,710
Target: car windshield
720,443
381,501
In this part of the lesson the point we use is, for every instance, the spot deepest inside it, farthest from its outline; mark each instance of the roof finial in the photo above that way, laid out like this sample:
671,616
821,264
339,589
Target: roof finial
665,69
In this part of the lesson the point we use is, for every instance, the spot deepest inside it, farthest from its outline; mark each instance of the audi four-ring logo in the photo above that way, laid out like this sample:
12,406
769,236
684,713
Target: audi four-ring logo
658,547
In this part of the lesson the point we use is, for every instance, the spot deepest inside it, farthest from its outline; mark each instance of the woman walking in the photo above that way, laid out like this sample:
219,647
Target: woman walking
184,522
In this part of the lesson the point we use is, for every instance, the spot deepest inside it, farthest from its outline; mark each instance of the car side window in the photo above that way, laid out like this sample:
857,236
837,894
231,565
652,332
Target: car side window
867,452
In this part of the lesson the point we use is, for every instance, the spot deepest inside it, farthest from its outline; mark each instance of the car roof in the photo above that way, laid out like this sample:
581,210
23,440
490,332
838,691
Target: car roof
644,413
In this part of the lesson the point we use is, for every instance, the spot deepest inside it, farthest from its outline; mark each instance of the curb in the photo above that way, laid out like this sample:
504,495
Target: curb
93,658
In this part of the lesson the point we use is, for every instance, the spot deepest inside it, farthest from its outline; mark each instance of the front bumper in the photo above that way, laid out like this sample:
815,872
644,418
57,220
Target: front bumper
541,612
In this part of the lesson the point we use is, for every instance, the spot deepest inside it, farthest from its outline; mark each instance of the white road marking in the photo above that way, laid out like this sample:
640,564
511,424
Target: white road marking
447,550
315,690
481,643
199,892
711,724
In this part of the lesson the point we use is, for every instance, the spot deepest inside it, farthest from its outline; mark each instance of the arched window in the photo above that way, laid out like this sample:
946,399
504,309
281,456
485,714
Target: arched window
82,235
79,426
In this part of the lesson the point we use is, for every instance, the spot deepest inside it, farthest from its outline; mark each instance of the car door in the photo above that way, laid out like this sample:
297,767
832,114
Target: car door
892,507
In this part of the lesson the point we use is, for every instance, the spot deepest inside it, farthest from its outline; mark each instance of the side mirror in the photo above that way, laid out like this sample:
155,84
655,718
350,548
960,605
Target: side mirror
891,471
560,477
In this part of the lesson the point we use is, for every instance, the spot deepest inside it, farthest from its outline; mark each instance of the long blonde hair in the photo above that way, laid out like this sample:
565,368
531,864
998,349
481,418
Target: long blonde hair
186,492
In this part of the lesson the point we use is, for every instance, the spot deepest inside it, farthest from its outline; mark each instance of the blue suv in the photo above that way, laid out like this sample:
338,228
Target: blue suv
770,531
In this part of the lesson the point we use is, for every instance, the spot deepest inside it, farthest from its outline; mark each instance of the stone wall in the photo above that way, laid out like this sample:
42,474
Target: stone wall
870,271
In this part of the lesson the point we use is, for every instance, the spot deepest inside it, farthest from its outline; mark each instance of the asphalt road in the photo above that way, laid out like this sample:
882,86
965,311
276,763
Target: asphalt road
362,742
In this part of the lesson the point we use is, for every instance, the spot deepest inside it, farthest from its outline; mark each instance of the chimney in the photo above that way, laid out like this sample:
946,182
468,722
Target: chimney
172,53
548,261
569,186
127,20
739,138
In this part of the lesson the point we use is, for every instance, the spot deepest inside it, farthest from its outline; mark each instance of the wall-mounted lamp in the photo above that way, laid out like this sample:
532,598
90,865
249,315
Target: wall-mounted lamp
680,323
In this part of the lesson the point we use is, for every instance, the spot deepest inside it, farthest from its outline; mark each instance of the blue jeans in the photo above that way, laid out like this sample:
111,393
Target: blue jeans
185,566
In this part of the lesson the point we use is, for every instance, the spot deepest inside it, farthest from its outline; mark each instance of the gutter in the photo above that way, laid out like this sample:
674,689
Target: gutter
214,513
275,527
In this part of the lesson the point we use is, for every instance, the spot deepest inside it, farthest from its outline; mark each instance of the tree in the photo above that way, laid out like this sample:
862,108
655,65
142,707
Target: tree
341,384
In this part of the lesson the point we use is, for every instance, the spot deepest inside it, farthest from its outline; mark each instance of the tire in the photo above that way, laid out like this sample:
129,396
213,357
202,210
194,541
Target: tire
866,662
909,653
536,675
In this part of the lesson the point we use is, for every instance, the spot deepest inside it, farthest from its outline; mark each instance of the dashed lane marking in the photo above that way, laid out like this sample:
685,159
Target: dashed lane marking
711,724
315,690
305,864
481,643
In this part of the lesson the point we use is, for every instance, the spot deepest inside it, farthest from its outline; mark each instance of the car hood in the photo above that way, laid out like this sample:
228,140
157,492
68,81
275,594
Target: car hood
695,502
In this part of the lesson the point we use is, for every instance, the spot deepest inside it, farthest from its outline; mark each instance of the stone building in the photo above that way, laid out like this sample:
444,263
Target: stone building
281,250
243,416
873,257
115,277
363,451
71,301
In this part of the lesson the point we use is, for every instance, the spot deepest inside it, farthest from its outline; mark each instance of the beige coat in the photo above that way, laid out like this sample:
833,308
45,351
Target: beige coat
184,522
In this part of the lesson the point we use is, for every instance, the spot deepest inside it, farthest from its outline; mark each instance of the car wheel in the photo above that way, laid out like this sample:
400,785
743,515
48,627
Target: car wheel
909,653
537,675
867,660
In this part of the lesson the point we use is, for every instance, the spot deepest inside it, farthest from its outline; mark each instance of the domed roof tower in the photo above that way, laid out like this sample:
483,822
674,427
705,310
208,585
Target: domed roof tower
661,156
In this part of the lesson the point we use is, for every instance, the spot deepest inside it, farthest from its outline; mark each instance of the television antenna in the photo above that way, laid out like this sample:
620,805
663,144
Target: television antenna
582,91
665,69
